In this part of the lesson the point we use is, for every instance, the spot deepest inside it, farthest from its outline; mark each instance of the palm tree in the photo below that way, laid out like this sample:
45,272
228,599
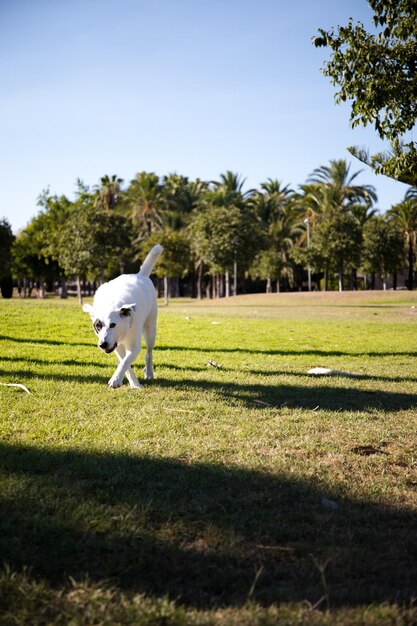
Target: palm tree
147,202
228,192
363,212
280,219
337,179
227,195
331,190
411,193
108,193
285,232
404,215
182,197
270,202
231,184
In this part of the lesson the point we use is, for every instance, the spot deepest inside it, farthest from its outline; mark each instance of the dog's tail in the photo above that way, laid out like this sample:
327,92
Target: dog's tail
151,259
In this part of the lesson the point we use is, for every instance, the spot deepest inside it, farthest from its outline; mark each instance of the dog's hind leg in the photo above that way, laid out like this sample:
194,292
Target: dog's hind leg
130,374
149,335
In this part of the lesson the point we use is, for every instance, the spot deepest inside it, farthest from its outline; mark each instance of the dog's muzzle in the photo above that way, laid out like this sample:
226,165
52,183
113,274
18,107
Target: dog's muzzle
107,349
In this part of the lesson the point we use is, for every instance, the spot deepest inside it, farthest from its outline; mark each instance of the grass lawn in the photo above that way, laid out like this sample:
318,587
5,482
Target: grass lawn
242,492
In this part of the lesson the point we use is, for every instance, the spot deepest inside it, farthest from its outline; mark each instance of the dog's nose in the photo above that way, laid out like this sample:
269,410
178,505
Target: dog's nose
104,345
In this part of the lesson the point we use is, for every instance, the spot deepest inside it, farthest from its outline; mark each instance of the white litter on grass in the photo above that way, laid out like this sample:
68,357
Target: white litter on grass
216,322
262,402
213,363
16,385
325,371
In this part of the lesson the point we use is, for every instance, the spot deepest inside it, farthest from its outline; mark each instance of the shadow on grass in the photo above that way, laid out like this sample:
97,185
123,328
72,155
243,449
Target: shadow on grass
107,365
221,350
46,342
48,361
203,534
329,397
289,352
332,397
282,372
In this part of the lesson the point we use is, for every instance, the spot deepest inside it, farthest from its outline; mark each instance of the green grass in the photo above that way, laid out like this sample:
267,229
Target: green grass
252,493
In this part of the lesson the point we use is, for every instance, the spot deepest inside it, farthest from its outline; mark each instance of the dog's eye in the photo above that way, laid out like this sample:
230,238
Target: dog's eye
112,325
98,326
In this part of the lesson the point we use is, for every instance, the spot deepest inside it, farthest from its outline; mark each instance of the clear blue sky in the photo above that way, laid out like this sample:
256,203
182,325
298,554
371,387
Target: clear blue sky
94,87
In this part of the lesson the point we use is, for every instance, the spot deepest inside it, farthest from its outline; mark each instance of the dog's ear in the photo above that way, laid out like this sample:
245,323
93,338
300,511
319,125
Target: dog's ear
87,308
127,310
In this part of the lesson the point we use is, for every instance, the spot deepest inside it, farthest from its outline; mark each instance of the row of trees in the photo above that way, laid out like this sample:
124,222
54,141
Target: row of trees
214,233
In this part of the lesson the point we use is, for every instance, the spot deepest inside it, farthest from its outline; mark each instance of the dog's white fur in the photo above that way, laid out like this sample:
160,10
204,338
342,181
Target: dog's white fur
124,310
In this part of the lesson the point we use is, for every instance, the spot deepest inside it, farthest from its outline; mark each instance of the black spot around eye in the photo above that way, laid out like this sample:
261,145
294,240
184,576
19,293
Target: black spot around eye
98,326
112,325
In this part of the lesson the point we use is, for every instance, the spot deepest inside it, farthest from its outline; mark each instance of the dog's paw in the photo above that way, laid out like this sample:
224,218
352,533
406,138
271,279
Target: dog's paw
148,375
115,382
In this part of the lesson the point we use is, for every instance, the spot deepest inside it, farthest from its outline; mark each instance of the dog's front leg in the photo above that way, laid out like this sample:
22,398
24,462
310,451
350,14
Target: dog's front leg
130,374
124,365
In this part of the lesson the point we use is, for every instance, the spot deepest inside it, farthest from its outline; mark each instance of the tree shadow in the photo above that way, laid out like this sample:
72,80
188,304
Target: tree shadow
333,398
330,397
47,342
199,533
64,377
221,350
48,361
287,352
282,372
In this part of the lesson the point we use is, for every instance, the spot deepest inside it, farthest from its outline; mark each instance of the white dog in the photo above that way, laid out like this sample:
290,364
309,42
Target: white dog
123,310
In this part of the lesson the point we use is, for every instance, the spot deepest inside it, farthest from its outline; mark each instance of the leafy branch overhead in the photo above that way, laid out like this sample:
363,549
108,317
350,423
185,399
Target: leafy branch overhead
377,73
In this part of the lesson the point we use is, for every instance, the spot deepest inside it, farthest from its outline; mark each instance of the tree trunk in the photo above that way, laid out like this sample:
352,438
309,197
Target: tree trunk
340,280
79,292
279,284
235,278
354,280
410,262
200,280
326,279
176,287
166,290
41,289
227,281
394,281
268,285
